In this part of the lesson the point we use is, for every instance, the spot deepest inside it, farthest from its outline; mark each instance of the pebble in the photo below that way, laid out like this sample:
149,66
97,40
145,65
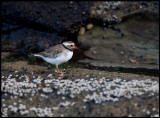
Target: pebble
84,107
156,115
89,26
135,104
50,75
15,103
55,108
83,12
82,31
16,71
30,99
130,115
143,110
63,98
71,2
153,109
66,104
148,112
21,106
3,105
24,112
43,95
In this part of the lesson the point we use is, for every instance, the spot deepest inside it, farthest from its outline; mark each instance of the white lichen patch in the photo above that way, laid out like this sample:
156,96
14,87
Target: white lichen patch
42,112
110,90
96,90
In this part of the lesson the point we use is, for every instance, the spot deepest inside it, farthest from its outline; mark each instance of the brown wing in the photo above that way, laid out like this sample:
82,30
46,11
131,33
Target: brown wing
52,52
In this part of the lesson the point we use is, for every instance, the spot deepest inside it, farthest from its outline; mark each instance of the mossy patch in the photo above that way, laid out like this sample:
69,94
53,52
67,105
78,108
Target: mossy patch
69,65
8,60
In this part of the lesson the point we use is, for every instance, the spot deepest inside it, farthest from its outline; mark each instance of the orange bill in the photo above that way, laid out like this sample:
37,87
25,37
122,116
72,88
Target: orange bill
75,47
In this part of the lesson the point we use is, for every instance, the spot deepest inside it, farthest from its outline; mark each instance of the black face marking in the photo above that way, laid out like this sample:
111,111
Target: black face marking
69,47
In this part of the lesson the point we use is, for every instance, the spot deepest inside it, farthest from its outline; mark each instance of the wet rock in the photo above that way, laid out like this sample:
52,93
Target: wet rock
89,26
82,31
137,48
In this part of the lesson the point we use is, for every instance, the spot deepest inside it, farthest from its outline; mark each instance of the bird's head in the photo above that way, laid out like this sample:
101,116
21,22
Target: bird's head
69,45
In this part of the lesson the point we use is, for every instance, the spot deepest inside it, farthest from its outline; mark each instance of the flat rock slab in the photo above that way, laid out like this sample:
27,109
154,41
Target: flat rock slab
81,92
135,46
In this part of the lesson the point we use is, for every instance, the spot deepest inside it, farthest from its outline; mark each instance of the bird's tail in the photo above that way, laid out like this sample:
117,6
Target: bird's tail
37,55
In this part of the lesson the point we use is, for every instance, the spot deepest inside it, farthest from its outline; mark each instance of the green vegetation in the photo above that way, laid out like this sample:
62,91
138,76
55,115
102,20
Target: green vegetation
8,60
69,65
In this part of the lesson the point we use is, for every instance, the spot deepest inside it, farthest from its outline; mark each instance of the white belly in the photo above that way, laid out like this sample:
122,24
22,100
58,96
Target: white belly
60,59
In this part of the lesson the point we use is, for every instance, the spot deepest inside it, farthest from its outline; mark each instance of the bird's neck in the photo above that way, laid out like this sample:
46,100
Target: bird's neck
67,48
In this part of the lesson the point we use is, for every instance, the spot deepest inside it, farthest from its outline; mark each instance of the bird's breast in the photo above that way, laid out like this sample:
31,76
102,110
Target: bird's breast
68,55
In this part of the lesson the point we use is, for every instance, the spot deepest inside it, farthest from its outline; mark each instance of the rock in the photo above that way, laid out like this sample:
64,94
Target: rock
33,26
138,48
122,9
29,27
46,14
28,41
120,94
5,55
82,31
89,26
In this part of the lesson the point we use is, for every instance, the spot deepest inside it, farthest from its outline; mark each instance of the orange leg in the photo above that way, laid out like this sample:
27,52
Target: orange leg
58,71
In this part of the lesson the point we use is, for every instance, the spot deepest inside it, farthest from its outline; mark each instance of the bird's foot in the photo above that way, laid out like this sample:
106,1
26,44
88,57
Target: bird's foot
60,72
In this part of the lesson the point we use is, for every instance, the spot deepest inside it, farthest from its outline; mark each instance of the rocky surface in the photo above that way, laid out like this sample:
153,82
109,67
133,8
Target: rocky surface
112,10
137,48
30,27
56,16
132,43
115,39
32,90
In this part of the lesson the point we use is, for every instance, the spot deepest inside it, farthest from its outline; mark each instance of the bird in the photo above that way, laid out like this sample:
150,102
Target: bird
58,54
